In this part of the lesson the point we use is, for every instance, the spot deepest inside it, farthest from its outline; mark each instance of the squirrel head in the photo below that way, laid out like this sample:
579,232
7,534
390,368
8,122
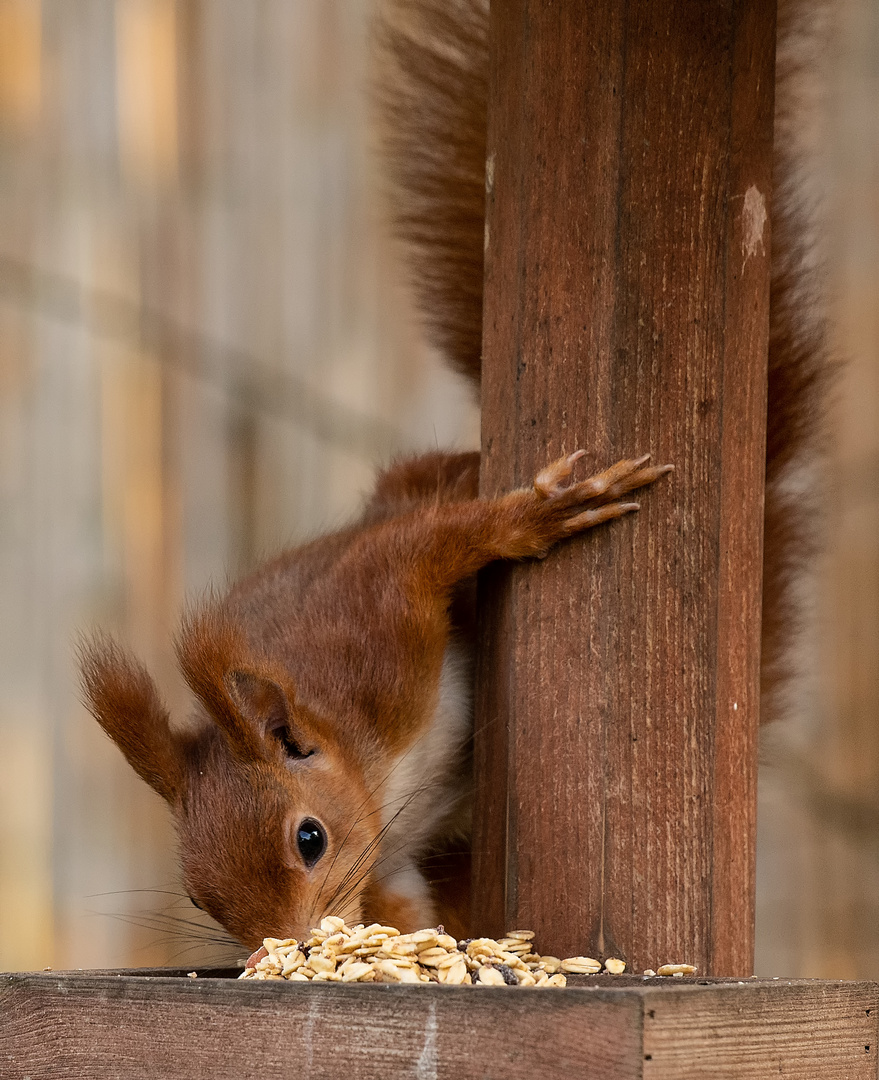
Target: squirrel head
276,822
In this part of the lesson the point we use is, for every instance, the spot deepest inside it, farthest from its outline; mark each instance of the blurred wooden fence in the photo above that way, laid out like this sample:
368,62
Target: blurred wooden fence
204,355
204,352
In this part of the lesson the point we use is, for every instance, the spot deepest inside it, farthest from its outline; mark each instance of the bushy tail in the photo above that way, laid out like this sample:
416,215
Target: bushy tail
433,90
800,368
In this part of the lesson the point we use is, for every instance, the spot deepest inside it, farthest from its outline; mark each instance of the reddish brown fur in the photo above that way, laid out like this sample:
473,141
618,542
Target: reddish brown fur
339,645
434,92
800,370
336,649
118,688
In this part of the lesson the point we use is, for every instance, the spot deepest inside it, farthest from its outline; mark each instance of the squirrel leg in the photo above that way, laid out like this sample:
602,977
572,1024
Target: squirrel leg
411,568
464,537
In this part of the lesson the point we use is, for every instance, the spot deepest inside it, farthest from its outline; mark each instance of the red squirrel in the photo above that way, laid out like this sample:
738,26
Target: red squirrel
332,684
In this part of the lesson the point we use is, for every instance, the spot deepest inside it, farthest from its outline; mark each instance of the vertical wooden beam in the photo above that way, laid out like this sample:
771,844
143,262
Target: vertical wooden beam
626,310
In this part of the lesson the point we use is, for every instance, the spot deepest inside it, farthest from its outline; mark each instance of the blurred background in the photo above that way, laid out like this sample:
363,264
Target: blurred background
205,350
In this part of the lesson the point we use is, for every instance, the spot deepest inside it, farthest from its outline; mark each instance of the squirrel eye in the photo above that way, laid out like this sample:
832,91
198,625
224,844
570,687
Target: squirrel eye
195,903
311,839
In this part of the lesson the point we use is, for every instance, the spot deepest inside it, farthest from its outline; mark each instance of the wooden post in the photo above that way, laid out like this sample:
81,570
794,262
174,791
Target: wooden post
626,311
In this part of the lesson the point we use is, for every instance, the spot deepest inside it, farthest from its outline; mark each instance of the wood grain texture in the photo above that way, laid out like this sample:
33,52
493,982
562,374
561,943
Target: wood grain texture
791,1029
68,1025
132,1028
629,163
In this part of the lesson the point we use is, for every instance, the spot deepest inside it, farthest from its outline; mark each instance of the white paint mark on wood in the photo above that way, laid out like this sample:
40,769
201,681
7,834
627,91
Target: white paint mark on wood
489,188
308,1033
753,224
426,1066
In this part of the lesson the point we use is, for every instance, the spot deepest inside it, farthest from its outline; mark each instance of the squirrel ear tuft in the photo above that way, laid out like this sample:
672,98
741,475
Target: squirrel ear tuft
214,657
123,698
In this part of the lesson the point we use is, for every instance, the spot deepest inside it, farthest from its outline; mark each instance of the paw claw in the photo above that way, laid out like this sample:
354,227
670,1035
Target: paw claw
550,481
607,512
598,498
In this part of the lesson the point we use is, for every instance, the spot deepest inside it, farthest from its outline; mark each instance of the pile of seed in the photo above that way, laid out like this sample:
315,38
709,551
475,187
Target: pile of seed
376,953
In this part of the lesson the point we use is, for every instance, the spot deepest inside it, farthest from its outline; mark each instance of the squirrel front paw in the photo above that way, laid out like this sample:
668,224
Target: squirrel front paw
561,509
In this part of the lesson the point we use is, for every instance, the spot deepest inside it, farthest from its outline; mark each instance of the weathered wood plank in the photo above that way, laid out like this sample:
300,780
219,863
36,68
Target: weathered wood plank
797,1030
72,1027
626,309
83,1025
